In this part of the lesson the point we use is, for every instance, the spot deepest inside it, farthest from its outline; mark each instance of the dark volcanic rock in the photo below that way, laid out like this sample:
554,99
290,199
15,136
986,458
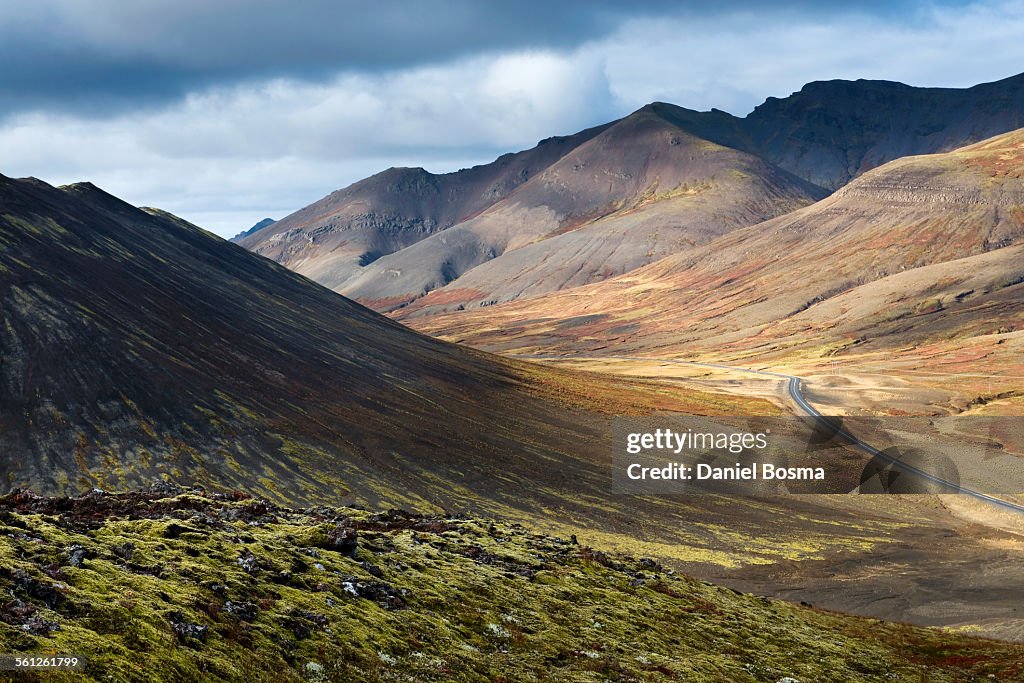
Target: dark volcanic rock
343,538
245,611
186,630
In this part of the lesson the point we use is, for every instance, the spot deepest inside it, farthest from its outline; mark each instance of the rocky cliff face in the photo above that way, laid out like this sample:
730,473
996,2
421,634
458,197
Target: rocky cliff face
832,131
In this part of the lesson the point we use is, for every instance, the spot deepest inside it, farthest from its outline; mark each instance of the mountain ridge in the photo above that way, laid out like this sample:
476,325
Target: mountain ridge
910,214
259,225
401,248
635,191
413,204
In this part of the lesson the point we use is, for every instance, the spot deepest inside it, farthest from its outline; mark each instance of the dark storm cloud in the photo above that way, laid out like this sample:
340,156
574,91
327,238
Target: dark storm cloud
102,55
72,54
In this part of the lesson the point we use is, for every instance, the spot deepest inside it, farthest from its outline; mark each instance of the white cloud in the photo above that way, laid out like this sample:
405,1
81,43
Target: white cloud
735,61
228,155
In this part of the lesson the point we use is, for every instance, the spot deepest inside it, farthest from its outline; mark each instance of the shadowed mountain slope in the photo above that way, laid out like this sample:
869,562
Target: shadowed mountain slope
135,345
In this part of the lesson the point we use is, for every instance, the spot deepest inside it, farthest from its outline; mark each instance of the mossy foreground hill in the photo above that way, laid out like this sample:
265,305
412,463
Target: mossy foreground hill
180,585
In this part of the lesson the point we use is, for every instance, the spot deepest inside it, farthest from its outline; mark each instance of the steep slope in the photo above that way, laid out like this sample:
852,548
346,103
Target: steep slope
330,240
136,346
777,285
641,189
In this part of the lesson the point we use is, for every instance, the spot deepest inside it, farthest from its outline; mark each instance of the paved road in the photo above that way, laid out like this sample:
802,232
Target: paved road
794,386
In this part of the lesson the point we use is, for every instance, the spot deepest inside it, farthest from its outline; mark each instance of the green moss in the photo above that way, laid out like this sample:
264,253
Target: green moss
420,599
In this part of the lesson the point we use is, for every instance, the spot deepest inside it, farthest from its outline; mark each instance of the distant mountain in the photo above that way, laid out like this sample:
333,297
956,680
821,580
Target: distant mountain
833,131
266,222
922,249
639,190
602,202
330,240
605,201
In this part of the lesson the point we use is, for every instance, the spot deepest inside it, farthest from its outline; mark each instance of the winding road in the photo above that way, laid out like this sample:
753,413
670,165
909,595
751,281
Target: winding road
794,387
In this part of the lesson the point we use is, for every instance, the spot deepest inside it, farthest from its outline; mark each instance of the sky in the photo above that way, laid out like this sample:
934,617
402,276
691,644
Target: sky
228,112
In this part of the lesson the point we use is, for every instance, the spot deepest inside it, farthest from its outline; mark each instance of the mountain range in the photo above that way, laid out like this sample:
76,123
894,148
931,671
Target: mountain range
138,347
922,250
598,204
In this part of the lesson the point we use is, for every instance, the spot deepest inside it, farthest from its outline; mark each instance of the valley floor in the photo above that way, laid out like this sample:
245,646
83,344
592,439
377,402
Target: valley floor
949,560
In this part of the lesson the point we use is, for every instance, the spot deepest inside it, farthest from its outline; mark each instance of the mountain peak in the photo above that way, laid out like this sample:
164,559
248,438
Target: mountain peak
655,107
97,197
402,171
265,223
86,188
666,110
834,84
83,185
